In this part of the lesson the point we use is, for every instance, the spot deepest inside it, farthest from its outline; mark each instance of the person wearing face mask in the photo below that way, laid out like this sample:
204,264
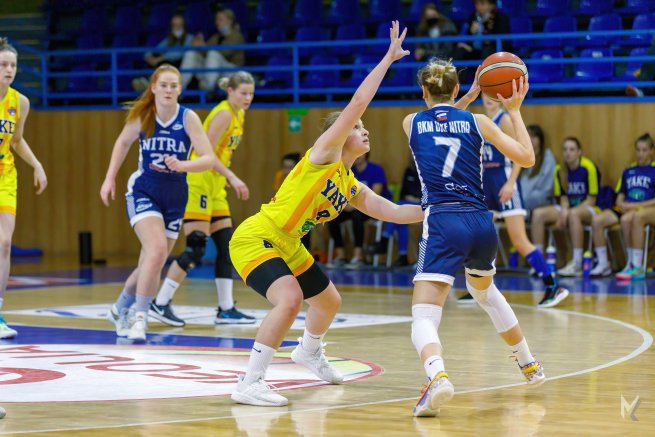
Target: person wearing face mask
228,33
433,24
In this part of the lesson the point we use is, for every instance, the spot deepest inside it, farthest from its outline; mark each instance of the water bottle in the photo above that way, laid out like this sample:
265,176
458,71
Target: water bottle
587,263
551,258
513,258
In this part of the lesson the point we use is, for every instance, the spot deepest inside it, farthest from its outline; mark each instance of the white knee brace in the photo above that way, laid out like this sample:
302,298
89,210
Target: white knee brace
494,303
425,323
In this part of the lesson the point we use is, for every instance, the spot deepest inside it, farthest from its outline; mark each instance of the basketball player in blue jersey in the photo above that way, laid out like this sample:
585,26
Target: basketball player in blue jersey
502,194
157,191
458,230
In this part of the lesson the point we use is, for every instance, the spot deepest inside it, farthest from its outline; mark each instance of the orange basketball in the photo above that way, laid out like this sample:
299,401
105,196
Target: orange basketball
497,73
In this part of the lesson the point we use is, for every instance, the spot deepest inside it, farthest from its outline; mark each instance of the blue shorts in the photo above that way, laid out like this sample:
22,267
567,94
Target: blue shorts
451,240
157,197
492,181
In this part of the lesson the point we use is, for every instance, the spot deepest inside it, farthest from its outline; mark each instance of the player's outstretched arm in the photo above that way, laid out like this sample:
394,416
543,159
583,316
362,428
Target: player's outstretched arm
376,206
327,147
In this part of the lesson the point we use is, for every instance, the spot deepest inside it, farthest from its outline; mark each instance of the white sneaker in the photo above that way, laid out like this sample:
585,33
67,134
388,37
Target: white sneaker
601,270
572,269
5,330
439,391
119,319
317,363
257,393
139,327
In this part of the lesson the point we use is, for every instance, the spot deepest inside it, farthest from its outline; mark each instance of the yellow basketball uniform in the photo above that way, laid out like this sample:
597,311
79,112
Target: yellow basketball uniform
207,193
9,115
310,195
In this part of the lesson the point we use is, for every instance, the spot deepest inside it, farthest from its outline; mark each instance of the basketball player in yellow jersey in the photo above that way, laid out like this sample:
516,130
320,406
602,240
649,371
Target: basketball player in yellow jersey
14,108
207,211
266,248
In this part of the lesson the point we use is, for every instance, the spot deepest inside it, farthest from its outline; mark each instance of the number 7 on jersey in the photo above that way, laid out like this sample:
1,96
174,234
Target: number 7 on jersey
453,145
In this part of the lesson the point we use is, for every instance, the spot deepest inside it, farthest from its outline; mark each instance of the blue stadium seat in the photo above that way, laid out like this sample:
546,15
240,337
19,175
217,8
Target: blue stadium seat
199,18
160,17
383,10
271,13
127,19
551,8
594,71
542,73
343,12
81,84
346,32
637,7
595,7
360,73
126,60
634,66
564,23
313,33
461,9
322,78
513,8
641,22
94,21
88,62
155,38
270,36
600,23
521,24
400,76
382,32
416,9
308,13
278,79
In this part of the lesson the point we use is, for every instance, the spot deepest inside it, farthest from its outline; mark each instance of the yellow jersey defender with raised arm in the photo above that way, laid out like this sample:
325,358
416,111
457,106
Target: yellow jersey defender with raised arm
207,194
311,195
9,115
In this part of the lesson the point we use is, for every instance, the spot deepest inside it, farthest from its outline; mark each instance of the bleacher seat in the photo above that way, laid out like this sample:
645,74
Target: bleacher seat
600,23
460,10
271,13
367,62
278,79
160,17
199,18
641,22
634,66
313,33
322,78
343,12
521,24
87,62
543,73
513,8
397,77
595,7
347,32
564,23
384,10
637,7
307,13
270,36
551,8
94,21
127,19
594,71
382,32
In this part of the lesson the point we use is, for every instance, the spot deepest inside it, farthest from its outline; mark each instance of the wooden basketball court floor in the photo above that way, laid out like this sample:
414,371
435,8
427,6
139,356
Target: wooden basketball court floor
65,374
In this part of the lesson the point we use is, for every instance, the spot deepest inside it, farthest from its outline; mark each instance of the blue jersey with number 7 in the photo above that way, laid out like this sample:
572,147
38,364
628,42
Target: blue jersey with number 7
447,146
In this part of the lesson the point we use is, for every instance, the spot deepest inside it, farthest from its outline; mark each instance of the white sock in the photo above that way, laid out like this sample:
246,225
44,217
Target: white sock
637,258
1,302
311,342
577,256
166,292
260,357
433,365
539,247
522,352
628,263
601,253
224,290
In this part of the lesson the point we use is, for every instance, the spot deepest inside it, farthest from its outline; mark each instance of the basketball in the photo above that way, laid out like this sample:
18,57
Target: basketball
497,73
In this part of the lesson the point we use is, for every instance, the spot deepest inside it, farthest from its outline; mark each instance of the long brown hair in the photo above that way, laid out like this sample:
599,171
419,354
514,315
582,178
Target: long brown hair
564,169
536,131
143,108
422,29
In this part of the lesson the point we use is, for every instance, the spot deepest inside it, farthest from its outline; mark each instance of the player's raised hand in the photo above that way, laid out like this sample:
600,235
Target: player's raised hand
396,50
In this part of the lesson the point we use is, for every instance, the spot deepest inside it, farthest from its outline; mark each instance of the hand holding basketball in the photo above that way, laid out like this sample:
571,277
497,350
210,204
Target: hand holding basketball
519,92
497,72
396,50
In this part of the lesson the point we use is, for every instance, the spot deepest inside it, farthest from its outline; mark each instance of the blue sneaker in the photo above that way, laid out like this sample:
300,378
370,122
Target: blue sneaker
439,391
233,317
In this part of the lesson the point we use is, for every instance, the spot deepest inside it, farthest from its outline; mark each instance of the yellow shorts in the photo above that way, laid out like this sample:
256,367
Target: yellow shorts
8,188
207,196
257,240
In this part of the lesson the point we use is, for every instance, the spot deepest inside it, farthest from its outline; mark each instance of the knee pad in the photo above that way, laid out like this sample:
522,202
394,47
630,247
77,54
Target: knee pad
223,263
494,303
425,324
194,251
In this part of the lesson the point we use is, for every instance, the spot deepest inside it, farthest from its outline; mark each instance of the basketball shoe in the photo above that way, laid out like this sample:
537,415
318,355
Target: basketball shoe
232,317
120,320
165,314
257,393
553,296
534,373
317,363
433,395
139,327
5,330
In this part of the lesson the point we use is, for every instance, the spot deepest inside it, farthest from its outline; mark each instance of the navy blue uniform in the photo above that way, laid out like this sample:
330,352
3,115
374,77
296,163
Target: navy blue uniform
447,146
637,183
154,190
497,169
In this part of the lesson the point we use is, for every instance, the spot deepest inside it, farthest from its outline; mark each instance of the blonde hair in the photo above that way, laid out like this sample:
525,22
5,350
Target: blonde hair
440,78
143,108
329,120
235,79
5,46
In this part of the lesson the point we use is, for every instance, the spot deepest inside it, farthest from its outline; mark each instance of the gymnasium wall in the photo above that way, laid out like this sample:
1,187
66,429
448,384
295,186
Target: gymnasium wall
75,146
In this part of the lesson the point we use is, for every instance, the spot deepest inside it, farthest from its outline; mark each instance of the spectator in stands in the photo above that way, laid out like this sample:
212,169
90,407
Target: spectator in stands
434,24
537,182
576,185
645,73
228,33
486,20
372,175
634,208
177,37
410,193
